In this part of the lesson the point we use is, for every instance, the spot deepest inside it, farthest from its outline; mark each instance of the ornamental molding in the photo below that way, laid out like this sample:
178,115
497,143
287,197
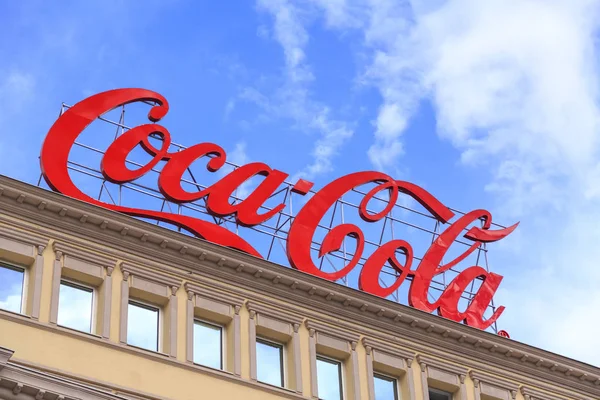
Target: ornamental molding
5,355
493,379
424,331
442,365
288,317
10,231
329,330
214,292
535,394
389,347
146,274
84,254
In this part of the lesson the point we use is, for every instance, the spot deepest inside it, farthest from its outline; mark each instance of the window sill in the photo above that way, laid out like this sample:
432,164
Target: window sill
66,328
15,314
137,348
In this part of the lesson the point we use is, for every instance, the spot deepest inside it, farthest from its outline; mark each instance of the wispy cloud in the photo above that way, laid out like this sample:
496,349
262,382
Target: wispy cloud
293,99
514,88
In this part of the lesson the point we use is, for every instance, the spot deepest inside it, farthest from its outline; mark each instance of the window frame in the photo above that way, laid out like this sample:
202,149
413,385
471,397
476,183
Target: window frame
159,318
81,286
340,366
282,358
449,396
24,284
221,339
388,378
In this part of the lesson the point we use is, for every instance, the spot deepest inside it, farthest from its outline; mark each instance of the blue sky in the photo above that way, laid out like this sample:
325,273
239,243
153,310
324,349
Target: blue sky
485,104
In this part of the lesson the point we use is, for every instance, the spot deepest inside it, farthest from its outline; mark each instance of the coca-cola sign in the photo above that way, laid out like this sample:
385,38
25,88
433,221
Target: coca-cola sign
249,212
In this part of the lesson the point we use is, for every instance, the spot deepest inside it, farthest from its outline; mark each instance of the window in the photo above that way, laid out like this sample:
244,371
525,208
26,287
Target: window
269,362
208,344
386,388
11,288
142,326
435,394
75,306
329,379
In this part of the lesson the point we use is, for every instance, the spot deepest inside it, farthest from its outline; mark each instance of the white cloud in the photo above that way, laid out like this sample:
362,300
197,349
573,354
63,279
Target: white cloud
292,99
514,87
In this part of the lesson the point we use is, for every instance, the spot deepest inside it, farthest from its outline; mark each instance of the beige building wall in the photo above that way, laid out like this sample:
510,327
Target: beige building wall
52,236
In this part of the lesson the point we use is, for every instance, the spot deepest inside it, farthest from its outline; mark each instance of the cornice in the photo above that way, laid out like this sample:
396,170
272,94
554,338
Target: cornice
389,348
535,394
68,249
15,233
441,365
5,355
145,273
493,379
328,330
274,312
214,292
58,213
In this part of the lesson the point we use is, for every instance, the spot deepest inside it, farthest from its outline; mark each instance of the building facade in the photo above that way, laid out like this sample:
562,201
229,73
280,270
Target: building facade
161,315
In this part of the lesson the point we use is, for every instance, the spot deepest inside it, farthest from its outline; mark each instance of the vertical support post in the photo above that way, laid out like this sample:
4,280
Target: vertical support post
106,307
173,322
410,376
370,375
189,335
424,384
312,354
297,358
252,343
124,307
355,371
477,389
37,283
463,388
56,274
237,341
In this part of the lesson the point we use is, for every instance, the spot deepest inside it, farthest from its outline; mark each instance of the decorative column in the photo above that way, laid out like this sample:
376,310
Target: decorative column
37,284
56,274
106,307
297,357
477,390
312,354
424,384
370,376
237,341
410,377
463,389
124,306
173,322
355,371
189,335
252,343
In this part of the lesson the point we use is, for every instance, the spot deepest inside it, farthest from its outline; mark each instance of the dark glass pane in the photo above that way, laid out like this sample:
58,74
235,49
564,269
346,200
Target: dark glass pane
11,288
329,379
385,388
142,326
439,395
269,363
208,345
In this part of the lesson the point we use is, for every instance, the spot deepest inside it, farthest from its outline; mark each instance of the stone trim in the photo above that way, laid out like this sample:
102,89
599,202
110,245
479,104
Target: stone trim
535,394
338,342
25,251
92,270
493,386
201,297
46,211
453,376
159,286
5,355
396,361
280,327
